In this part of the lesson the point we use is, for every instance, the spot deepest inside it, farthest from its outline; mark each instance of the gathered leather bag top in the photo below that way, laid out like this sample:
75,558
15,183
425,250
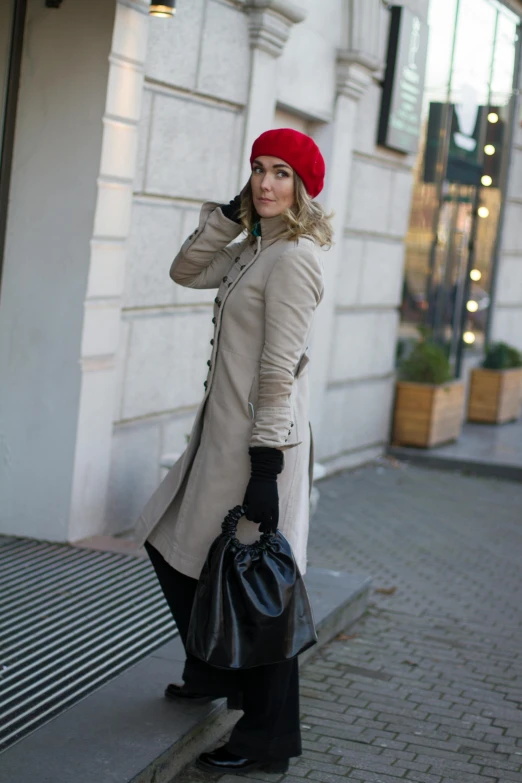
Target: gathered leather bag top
251,606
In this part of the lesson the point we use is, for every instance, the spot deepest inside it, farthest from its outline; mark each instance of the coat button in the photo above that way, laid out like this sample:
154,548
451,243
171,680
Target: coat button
209,363
225,279
217,300
291,423
214,320
212,342
237,259
205,384
242,266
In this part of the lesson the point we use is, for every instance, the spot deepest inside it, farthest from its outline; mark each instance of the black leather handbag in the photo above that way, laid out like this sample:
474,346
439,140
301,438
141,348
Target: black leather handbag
251,606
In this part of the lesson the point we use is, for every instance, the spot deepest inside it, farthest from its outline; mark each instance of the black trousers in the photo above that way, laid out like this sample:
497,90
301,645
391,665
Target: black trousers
269,695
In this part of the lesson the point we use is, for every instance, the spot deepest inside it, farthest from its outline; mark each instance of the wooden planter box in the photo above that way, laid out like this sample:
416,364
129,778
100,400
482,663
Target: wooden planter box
427,415
495,396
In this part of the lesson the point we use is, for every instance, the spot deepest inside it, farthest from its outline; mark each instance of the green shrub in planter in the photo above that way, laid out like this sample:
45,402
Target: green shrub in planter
427,362
495,394
501,356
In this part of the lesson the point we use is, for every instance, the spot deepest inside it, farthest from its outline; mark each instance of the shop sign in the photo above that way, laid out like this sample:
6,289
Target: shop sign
401,104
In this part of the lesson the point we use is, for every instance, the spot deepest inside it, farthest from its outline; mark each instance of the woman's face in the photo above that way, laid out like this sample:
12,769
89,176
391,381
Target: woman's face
272,184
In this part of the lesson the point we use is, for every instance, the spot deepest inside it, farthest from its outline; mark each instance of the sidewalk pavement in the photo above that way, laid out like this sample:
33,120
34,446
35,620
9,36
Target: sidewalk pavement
427,687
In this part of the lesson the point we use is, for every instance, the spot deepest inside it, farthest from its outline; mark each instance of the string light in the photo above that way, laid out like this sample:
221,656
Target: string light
472,306
469,338
475,275
483,212
492,116
486,180
489,149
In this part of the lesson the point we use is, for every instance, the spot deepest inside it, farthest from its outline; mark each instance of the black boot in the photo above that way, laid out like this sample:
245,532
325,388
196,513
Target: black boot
222,760
180,693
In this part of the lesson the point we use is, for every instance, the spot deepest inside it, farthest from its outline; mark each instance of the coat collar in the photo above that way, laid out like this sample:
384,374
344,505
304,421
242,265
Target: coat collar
272,228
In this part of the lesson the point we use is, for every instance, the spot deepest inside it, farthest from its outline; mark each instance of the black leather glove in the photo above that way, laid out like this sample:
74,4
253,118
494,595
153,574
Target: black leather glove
261,496
231,210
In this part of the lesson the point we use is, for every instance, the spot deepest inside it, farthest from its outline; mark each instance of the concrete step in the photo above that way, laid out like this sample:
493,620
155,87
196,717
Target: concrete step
126,732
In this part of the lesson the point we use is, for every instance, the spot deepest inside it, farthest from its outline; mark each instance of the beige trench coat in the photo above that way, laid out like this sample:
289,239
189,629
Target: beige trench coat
256,392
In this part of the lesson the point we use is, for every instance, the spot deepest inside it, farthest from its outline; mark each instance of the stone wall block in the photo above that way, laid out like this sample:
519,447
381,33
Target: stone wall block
118,150
512,233
366,126
370,195
174,46
515,175
344,427
364,344
382,273
113,210
134,473
509,281
121,367
175,430
307,84
130,34
92,466
349,271
124,90
107,269
225,57
182,168
166,364
400,203
154,239
100,328
143,140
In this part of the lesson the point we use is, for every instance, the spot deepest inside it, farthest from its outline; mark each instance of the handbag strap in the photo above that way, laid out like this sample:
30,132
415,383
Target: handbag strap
229,530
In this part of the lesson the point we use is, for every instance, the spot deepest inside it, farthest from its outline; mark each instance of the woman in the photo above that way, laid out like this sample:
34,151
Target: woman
251,430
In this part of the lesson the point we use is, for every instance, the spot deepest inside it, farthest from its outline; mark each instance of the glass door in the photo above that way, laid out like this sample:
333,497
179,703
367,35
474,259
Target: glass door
460,173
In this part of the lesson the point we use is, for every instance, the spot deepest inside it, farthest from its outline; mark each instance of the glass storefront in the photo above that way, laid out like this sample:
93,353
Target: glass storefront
460,173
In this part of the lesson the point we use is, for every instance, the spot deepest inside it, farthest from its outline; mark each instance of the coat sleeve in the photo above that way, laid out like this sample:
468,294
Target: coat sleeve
294,289
204,257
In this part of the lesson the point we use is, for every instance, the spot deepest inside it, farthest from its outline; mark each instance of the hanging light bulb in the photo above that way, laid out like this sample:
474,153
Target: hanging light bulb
166,9
469,338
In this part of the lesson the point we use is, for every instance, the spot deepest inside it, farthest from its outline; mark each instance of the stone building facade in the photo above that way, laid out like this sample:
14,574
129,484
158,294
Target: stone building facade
125,125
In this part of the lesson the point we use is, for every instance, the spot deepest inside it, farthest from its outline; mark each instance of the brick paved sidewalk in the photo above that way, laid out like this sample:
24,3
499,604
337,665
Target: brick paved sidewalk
428,686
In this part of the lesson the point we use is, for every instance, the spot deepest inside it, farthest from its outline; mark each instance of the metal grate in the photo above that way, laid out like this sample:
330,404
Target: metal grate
70,620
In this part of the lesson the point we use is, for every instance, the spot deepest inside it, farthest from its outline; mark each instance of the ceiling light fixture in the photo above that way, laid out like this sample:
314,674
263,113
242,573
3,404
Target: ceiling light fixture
166,9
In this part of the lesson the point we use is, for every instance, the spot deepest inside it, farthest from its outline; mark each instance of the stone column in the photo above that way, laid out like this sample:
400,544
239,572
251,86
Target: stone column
336,139
270,23
107,267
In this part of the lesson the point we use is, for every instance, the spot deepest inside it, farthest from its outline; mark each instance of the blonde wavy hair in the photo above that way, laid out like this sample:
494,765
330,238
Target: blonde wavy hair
306,218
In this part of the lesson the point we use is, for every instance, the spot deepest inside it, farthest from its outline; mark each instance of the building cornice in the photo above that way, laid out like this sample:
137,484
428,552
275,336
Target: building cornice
354,73
270,22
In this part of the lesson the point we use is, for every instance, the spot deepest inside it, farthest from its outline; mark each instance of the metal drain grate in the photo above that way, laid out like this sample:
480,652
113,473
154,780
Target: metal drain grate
70,620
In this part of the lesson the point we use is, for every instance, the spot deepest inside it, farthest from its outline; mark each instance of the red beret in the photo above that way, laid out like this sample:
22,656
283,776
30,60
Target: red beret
298,150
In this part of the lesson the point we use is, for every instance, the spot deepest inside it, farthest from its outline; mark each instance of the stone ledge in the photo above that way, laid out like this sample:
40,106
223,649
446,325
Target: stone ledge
126,732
